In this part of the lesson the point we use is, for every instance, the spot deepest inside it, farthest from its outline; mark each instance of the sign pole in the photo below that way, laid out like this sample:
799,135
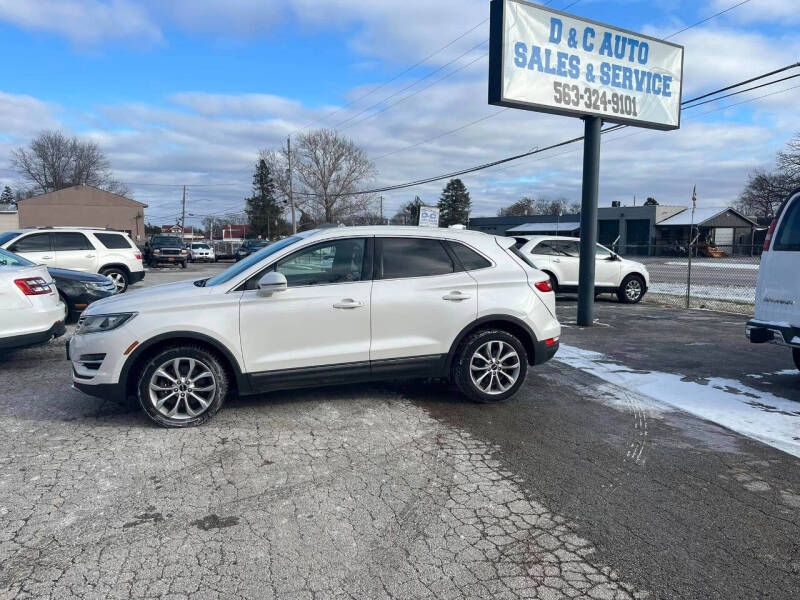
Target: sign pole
591,177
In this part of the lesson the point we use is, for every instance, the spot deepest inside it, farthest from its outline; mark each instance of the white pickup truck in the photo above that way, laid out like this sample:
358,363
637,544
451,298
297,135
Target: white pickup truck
777,311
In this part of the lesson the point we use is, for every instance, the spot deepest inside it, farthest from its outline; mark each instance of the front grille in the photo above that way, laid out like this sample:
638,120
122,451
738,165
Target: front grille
170,252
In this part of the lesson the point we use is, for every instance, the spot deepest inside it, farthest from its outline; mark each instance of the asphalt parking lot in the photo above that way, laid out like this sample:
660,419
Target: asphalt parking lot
579,487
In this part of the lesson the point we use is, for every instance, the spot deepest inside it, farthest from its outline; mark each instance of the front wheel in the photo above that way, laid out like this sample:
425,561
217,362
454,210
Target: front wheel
490,366
182,386
796,356
632,289
118,276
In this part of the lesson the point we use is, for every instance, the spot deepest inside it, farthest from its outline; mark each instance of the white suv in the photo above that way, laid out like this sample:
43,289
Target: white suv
324,307
559,257
777,311
93,250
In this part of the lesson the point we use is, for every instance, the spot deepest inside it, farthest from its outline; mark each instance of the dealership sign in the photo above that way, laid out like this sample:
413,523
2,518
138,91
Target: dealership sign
549,61
428,216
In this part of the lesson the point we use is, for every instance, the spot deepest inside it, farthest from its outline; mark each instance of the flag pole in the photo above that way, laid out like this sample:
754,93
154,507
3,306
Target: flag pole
691,232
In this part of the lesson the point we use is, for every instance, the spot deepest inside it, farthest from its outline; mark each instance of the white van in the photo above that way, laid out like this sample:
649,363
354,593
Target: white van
777,314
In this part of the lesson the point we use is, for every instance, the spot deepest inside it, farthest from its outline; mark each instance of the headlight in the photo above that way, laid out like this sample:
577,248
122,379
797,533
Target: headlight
156,251
99,285
183,251
98,323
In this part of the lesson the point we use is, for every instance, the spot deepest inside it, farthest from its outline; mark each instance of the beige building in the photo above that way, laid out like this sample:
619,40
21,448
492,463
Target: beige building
84,206
8,218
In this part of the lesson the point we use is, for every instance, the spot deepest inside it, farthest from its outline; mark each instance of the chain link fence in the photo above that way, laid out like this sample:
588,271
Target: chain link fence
717,278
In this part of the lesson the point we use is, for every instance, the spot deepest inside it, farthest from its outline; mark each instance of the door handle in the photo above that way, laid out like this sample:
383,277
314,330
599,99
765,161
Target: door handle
347,303
455,296
556,259
90,256
47,257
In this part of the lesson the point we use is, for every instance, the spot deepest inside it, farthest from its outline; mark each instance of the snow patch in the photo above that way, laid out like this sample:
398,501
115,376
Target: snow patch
727,402
714,265
707,292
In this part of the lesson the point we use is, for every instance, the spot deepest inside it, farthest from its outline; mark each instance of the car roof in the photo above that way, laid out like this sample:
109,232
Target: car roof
541,238
400,230
67,229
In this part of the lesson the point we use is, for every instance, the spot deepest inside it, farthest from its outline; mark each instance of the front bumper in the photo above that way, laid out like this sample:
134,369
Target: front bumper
32,339
759,332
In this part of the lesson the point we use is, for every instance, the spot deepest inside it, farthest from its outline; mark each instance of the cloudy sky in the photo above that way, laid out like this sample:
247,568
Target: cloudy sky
188,91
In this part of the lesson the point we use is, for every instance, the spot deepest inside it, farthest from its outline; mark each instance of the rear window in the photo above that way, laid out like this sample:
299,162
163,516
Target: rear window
470,259
788,238
413,257
71,240
113,241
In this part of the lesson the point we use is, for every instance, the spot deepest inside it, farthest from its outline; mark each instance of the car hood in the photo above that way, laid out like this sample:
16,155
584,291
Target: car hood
80,276
158,296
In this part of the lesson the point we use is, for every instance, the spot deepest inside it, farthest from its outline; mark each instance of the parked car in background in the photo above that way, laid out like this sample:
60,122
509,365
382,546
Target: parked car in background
559,257
31,311
777,310
323,307
76,289
201,252
86,249
248,247
160,249
225,249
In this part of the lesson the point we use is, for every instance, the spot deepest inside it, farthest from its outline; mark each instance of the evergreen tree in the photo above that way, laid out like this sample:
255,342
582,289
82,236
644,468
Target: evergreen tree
7,197
262,208
455,204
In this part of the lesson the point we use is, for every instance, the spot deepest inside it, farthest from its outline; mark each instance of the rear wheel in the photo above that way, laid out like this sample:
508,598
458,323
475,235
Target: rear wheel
631,290
118,276
182,386
796,356
490,366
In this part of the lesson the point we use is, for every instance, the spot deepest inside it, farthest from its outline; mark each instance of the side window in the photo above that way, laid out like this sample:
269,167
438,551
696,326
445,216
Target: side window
335,261
788,238
567,248
602,253
38,242
71,240
413,257
545,248
470,259
113,241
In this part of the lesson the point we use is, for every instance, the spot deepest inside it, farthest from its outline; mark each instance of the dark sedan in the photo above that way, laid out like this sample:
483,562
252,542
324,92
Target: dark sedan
77,289
249,247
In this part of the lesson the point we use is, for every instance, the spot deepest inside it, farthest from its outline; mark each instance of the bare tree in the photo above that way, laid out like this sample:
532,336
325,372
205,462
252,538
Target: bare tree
542,205
53,161
789,159
328,171
764,192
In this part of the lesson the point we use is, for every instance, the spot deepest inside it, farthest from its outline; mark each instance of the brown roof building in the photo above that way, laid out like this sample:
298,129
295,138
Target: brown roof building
84,206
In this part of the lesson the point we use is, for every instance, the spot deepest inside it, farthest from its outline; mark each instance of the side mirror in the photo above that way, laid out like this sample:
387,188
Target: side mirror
272,282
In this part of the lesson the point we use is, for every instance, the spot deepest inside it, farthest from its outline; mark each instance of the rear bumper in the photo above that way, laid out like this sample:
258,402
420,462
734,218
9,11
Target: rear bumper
136,277
759,332
32,339
542,352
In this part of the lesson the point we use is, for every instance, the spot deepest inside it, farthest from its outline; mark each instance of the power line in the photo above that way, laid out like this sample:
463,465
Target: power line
722,12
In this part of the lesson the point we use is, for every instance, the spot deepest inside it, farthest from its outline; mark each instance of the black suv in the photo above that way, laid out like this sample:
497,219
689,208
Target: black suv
165,249
249,247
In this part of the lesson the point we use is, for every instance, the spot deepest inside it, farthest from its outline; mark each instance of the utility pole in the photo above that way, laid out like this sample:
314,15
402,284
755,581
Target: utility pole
183,212
291,194
381,214
591,177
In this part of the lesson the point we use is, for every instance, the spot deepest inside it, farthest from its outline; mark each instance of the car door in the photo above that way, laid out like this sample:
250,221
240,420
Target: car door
420,300
606,268
541,255
778,288
321,319
36,247
566,260
74,251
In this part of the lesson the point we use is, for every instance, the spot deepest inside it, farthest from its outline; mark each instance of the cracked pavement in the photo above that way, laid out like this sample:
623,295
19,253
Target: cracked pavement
574,489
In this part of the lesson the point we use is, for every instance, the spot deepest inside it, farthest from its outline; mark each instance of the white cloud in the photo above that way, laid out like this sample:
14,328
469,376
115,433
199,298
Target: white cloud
83,22
762,11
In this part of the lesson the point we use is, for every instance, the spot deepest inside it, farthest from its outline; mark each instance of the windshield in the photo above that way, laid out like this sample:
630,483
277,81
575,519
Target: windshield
8,236
167,241
256,258
10,259
200,246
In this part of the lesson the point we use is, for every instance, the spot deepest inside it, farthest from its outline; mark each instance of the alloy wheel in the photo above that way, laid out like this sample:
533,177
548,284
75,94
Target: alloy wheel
494,367
118,279
182,388
633,289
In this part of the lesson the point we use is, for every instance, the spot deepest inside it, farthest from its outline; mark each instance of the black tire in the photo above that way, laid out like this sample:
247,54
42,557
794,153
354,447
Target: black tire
67,310
629,284
796,356
461,371
118,276
164,359
553,281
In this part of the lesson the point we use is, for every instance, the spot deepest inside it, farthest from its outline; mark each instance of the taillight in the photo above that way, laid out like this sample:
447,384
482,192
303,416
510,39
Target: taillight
137,256
33,286
544,286
551,341
770,231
